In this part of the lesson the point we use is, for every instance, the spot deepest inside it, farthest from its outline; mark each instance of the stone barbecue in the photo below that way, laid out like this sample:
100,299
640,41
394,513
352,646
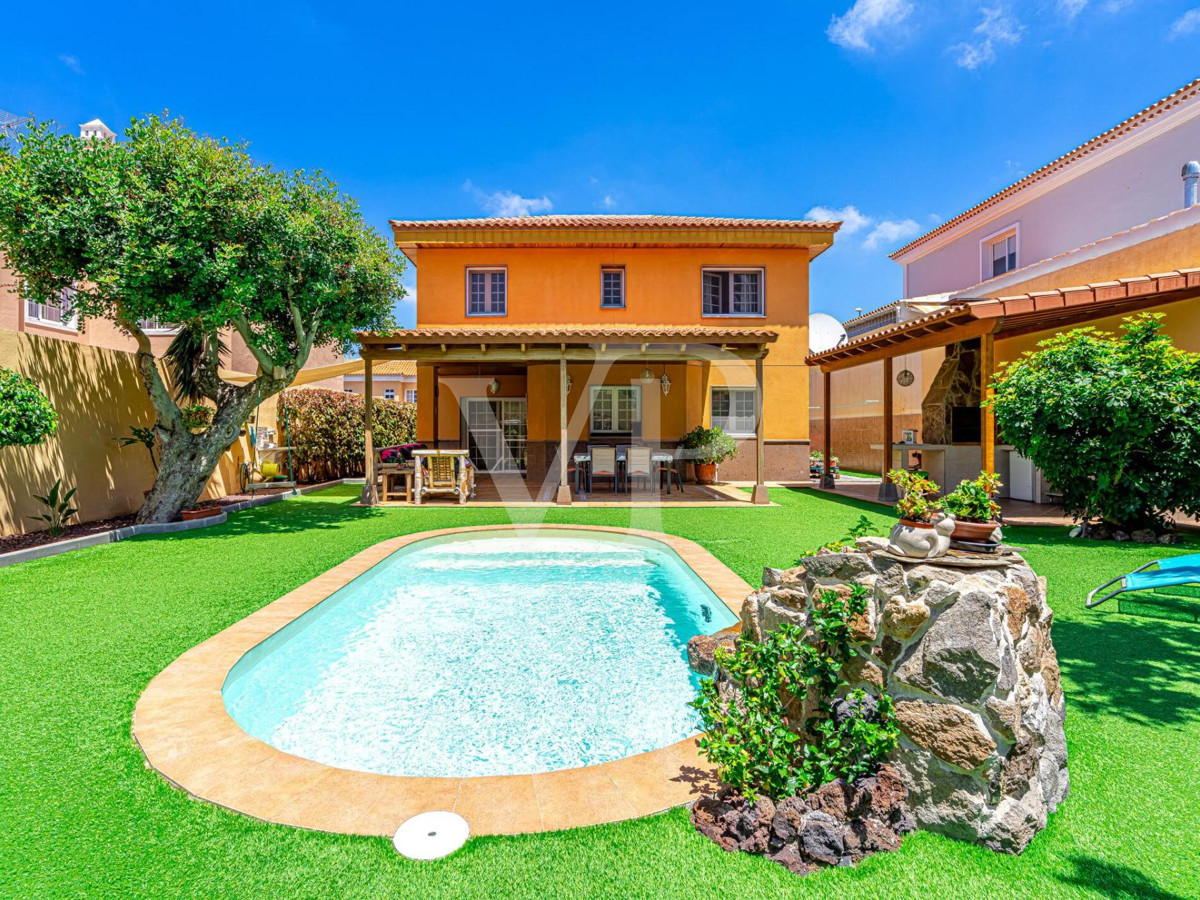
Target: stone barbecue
964,648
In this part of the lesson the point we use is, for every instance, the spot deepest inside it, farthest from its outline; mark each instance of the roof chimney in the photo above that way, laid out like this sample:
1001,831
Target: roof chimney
97,129
1191,184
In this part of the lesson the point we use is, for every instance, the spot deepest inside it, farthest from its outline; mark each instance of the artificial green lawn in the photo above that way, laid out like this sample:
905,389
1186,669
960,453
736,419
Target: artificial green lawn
83,633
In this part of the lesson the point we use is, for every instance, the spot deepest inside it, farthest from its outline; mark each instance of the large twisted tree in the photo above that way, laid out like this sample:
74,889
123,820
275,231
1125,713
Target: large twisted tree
172,226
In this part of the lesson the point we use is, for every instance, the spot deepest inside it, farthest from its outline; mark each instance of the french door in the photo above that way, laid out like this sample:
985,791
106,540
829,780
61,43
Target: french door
496,432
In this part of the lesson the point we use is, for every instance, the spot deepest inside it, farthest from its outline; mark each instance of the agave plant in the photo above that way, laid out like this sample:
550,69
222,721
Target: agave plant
58,508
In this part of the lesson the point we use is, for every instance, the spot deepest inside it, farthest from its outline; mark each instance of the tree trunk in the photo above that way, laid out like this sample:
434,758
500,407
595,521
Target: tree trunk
188,460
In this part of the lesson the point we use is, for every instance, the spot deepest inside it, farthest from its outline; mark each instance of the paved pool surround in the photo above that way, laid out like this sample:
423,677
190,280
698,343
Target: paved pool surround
181,725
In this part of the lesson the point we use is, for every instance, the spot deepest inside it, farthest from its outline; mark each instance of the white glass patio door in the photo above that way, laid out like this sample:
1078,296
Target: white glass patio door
496,432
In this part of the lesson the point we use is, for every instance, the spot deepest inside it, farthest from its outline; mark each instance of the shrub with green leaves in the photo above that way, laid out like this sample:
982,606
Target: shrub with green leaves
760,743
26,416
972,501
918,495
711,445
58,508
1113,421
326,430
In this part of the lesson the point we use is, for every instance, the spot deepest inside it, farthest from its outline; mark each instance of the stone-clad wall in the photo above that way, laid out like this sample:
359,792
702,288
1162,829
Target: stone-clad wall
966,653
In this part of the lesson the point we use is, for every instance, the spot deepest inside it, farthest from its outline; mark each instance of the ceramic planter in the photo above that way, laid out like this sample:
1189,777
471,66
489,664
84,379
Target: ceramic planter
921,540
706,473
202,512
976,532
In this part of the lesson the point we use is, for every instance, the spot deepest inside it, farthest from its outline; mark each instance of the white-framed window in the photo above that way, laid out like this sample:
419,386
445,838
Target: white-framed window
612,287
616,409
410,395
157,326
389,393
733,292
487,291
999,252
59,312
733,410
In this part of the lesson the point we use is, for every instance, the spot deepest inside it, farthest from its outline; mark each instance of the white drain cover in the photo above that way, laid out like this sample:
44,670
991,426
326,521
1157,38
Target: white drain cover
431,835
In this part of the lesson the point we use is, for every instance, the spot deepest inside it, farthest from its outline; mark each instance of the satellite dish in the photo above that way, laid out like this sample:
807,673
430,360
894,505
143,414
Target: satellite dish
824,333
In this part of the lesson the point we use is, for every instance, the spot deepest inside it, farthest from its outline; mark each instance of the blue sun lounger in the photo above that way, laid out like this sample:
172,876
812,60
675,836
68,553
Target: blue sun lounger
1172,572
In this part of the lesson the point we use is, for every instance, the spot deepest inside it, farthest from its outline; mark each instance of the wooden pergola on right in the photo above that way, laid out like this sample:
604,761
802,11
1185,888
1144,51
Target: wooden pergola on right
989,319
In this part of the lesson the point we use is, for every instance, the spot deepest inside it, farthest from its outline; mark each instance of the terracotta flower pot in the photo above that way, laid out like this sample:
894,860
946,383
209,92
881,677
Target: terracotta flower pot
975,532
706,473
914,524
203,512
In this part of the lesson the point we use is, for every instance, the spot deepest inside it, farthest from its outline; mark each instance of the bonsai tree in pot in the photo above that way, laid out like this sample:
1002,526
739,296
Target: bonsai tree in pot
976,514
709,448
922,532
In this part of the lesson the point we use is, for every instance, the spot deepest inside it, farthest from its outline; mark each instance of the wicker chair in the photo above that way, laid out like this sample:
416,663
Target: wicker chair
443,473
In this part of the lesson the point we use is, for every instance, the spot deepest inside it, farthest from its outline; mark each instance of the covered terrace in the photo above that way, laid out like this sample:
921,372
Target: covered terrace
1004,327
552,376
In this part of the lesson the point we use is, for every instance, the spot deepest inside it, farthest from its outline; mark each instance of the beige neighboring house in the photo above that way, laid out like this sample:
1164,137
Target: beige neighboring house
88,371
57,319
1108,220
393,379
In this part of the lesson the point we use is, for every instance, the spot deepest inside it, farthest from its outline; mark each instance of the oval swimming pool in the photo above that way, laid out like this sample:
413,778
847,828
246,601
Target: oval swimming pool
486,654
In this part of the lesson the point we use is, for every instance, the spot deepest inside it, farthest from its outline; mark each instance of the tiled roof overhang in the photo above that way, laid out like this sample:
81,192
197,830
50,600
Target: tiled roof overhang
573,342
1013,316
411,236
1186,93
612,221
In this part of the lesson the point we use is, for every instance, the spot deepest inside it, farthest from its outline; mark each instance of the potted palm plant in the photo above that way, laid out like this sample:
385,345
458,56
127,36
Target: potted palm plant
976,513
709,448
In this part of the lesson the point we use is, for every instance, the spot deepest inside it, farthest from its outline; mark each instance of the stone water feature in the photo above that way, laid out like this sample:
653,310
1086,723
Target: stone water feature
964,648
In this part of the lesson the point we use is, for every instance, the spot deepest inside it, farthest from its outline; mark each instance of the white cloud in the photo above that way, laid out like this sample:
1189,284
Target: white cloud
995,28
865,21
890,232
608,201
1071,8
71,62
852,220
509,203
880,233
1188,23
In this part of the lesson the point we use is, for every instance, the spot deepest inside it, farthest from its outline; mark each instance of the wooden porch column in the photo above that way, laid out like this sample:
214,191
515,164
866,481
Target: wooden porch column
370,497
760,495
987,371
827,402
564,489
887,490
437,402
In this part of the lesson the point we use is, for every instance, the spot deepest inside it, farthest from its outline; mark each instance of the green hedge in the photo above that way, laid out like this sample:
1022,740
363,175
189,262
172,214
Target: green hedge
26,416
325,431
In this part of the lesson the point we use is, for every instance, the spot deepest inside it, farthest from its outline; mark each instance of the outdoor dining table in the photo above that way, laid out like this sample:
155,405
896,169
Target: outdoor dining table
657,458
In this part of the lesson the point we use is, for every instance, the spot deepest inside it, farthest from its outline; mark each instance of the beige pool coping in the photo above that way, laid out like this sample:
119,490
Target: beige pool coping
182,727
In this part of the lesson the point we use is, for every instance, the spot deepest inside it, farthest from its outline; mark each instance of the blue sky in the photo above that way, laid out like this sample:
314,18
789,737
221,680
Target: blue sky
906,111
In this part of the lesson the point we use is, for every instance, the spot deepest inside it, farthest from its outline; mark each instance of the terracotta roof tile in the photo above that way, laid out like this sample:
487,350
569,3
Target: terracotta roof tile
1036,309
574,333
395,367
615,221
1187,92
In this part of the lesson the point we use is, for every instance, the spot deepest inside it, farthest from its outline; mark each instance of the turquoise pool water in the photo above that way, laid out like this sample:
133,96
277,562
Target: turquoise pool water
486,654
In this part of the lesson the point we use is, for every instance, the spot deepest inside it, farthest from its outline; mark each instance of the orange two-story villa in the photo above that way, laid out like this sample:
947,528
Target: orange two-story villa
539,335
